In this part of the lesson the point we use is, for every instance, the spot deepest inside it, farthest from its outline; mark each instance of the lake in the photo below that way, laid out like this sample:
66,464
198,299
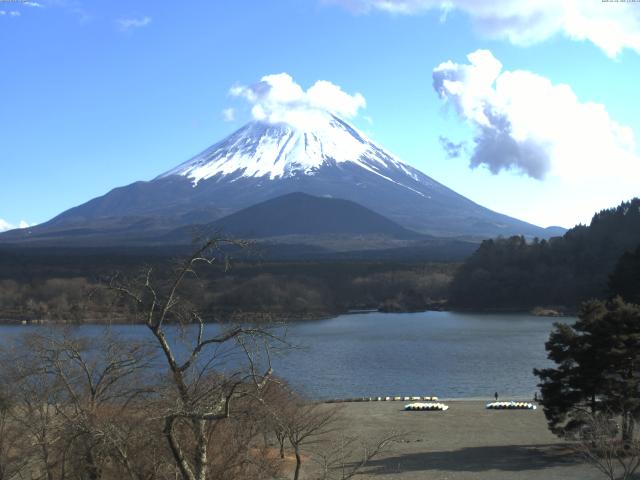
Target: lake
447,354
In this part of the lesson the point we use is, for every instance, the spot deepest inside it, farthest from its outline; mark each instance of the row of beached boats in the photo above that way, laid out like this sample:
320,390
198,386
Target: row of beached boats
428,406
384,399
511,406
430,403
438,406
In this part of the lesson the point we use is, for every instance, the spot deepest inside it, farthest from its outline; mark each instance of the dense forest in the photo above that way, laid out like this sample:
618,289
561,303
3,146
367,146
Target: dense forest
36,286
595,261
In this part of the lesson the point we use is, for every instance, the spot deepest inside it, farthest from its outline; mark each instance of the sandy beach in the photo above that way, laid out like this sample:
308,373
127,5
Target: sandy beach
463,443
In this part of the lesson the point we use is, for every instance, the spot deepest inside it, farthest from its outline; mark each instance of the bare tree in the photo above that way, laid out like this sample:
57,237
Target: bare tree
600,444
75,400
201,395
305,424
278,402
190,402
314,431
348,456
12,440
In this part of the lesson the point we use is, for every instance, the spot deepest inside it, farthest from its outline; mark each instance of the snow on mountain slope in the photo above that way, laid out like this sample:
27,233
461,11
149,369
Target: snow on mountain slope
260,149
318,154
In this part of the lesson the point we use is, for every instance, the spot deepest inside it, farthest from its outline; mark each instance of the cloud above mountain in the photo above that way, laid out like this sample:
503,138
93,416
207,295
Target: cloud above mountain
525,123
229,114
4,225
612,26
278,98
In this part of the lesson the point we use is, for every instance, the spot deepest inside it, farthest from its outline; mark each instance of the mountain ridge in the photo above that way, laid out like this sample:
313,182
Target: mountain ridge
261,161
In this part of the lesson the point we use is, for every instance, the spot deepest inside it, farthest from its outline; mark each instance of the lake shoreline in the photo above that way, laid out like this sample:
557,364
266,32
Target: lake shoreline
489,399
269,317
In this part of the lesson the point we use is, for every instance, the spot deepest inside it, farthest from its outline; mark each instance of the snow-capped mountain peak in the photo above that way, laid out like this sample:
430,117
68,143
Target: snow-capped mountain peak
311,152
261,149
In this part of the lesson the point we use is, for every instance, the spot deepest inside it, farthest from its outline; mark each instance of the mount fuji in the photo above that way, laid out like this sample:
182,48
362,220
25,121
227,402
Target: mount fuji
324,157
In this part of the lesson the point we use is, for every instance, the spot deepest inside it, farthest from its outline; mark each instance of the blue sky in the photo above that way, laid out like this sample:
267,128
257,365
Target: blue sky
98,94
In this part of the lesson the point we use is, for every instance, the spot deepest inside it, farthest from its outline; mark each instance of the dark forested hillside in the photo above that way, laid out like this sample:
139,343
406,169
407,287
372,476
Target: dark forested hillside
66,286
511,273
625,279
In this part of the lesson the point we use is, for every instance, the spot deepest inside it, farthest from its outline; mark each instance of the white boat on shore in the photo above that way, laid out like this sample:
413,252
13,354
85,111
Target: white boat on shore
511,405
426,406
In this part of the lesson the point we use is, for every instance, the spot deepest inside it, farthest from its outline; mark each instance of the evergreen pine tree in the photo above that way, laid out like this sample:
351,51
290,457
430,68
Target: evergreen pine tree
597,367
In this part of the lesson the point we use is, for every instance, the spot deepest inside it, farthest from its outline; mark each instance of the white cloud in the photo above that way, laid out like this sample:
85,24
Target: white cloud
612,26
129,23
524,122
14,13
445,8
278,98
4,225
229,114
32,4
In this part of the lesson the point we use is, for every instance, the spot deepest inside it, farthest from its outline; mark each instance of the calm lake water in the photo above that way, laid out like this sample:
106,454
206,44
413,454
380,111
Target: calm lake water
446,354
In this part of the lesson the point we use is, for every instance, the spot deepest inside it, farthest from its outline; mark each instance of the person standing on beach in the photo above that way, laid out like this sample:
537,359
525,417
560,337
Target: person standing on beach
496,396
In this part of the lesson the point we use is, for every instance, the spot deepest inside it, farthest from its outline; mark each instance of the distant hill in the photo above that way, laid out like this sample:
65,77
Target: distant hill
554,231
513,273
302,214
301,226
